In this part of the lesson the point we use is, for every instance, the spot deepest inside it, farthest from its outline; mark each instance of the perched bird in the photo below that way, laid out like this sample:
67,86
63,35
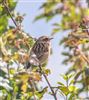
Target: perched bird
40,51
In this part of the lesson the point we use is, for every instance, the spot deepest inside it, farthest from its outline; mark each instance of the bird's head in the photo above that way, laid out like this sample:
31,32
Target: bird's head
45,38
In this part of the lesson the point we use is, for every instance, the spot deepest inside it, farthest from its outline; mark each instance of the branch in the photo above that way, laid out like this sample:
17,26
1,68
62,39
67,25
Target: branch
14,21
8,10
8,71
53,93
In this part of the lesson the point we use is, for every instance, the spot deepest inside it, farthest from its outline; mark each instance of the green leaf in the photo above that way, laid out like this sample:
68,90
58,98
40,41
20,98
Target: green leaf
63,40
65,77
39,17
71,82
78,74
56,24
12,71
71,96
8,96
48,18
55,30
47,71
12,4
3,24
72,88
70,75
2,73
41,93
1,1
64,89
4,15
66,54
60,83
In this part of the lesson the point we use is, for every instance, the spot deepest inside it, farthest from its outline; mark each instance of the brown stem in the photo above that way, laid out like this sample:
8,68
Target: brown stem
8,71
53,93
33,89
8,10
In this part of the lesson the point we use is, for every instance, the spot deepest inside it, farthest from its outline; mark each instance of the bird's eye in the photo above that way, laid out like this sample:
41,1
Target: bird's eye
46,39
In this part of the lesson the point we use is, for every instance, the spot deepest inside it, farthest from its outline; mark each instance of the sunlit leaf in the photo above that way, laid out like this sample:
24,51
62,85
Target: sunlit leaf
65,77
71,82
41,93
73,89
60,83
47,71
55,30
2,47
15,56
64,89
12,71
24,87
25,76
39,17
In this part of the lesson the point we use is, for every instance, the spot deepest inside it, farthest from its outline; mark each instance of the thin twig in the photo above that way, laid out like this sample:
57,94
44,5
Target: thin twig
8,71
57,90
53,93
8,10
33,89
67,87
14,21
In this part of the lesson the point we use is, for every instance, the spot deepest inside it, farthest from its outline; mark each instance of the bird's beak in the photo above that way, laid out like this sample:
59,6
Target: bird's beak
50,38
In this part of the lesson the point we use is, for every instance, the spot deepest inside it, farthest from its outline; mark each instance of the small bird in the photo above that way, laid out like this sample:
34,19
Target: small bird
40,51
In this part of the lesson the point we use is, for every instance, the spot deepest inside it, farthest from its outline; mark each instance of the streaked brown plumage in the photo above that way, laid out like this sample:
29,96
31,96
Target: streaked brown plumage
40,51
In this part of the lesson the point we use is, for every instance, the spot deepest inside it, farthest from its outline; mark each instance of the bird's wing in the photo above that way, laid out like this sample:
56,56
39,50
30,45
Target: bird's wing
33,59
38,52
